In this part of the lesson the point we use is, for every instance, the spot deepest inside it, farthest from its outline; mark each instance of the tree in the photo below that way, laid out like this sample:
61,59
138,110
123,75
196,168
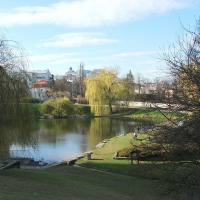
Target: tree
102,90
80,80
181,141
127,88
59,88
138,81
13,86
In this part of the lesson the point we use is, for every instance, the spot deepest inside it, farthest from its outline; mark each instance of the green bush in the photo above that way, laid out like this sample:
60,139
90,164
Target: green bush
32,109
62,107
78,109
86,110
37,108
47,108
29,100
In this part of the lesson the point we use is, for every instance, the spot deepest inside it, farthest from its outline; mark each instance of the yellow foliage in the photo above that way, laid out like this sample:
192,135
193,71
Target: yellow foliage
101,90
188,84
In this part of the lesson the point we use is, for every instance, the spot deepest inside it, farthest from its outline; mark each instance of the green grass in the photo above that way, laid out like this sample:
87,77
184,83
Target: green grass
103,158
64,182
155,115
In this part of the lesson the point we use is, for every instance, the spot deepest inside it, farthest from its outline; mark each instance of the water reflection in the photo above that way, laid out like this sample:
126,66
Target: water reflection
61,139
21,134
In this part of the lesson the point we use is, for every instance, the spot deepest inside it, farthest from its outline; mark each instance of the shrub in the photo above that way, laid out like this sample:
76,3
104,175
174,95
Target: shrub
29,100
63,108
78,109
86,110
37,109
146,151
47,108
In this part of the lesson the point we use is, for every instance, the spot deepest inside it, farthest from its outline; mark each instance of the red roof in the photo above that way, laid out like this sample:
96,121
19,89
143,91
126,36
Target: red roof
41,83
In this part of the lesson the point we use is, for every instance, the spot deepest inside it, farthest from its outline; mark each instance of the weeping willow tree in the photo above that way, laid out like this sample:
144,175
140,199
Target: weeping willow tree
101,90
15,118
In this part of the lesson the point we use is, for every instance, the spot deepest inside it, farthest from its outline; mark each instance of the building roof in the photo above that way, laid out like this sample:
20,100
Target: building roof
41,83
39,71
71,70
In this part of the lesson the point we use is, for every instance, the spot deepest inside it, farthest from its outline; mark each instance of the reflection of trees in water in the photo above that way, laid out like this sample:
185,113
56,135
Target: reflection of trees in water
105,128
53,130
18,131
58,126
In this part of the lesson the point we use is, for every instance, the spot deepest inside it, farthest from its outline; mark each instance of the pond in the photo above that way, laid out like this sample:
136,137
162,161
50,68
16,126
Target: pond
62,139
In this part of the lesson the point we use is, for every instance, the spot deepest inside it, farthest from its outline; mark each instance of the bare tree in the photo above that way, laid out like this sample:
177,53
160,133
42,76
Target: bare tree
138,81
128,88
180,141
80,80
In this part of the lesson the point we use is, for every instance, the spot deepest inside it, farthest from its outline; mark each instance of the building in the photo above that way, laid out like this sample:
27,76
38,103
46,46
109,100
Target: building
90,73
42,74
146,88
31,79
39,90
37,81
71,75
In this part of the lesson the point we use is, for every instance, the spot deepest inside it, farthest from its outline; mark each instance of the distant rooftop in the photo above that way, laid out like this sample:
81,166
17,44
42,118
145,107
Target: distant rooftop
71,70
39,71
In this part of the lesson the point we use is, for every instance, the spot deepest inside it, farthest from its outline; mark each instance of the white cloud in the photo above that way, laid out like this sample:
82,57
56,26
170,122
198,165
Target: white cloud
77,39
104,58
139,53
90,13
147,62
50,57
127,54
70,60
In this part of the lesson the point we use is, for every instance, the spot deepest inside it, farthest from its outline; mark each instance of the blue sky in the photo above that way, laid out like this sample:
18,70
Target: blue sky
101,33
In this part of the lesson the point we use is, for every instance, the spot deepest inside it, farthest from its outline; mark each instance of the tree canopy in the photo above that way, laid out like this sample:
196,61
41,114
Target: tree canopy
101,90
127,90
13,86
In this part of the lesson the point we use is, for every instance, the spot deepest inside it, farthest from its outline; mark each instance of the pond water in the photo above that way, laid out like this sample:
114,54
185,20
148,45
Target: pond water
62,139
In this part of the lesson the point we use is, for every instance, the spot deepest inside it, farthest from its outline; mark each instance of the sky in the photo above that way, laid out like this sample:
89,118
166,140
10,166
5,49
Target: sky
129,34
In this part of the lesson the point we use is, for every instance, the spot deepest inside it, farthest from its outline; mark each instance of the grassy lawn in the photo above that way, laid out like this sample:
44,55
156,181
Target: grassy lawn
155,115
103,158
65,182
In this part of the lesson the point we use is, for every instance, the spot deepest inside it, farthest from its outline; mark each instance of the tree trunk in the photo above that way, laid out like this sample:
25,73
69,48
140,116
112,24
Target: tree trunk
110,108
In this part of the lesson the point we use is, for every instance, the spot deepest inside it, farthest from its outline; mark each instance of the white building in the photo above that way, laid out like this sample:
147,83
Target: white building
35,77
31,79
95,72
42,74
39,90
71,75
